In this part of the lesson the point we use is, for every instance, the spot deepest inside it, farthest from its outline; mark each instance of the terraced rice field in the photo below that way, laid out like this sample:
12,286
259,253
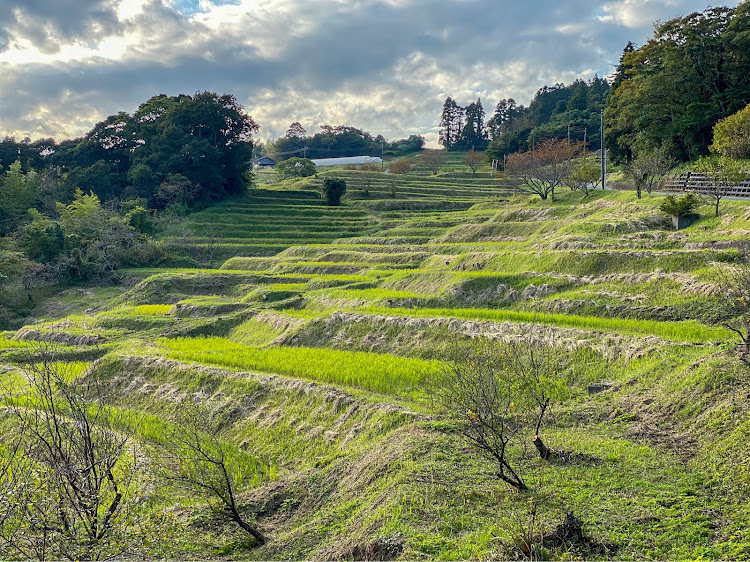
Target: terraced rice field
312,334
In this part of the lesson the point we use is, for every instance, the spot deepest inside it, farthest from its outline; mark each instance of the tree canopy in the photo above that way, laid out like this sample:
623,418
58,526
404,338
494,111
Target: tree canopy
295,168
732,135
333,190
559,111
463,128
205,139
339,141
672,90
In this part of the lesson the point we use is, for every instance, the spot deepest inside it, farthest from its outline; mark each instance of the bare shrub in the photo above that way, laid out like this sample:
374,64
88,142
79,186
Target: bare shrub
733,283
434,160
498,394
68,481
199,461
474,160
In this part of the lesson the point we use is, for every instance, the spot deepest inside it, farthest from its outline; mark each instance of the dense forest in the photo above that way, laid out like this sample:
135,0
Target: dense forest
183,148
340,141
670,92
555,112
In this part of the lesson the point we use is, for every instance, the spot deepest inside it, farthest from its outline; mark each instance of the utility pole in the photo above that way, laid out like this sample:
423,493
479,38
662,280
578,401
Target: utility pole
382,156
568,135
304,152
604,155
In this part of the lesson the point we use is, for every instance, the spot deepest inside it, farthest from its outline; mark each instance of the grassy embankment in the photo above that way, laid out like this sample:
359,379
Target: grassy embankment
312,340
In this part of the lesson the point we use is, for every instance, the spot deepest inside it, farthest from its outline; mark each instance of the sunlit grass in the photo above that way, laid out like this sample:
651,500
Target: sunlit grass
6,343
382,373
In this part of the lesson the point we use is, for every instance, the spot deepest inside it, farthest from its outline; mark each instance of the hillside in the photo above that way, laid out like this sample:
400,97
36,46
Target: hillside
309,336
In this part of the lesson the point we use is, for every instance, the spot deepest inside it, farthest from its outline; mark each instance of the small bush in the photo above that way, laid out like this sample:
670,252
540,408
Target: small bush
680,207
334,189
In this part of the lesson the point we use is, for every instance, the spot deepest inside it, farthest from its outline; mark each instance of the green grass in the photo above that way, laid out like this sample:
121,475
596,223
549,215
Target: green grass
255,332
153,309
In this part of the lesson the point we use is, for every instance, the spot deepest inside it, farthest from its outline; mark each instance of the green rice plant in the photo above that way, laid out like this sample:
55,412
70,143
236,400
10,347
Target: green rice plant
13,381
141,317
687,331
72,369
381,373
372,294
151,309
16,382
6,343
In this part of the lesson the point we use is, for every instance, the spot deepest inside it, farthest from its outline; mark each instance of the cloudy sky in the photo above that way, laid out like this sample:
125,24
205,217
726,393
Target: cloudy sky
383,65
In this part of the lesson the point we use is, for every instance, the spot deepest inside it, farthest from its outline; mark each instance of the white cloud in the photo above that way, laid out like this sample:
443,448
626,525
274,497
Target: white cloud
384,65
636,14
577,28
128,9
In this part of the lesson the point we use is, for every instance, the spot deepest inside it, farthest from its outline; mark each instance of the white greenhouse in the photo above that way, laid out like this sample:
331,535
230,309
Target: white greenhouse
347,160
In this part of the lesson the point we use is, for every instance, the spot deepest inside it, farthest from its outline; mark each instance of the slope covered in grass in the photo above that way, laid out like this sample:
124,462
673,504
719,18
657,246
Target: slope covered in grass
310,337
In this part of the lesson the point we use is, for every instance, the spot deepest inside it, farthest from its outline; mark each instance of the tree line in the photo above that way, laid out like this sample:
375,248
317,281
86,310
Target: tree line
338,141
556,111
666,94
671,92
173,150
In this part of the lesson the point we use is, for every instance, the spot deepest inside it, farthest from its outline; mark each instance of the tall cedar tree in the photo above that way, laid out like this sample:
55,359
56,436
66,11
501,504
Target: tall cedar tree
473,135
451,124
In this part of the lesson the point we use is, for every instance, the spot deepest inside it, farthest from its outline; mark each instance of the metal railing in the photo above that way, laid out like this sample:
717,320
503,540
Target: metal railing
702,183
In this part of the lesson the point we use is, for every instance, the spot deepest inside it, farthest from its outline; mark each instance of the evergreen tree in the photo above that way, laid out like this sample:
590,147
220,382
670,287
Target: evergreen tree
473,133
17,195
622,70
504,119
451,124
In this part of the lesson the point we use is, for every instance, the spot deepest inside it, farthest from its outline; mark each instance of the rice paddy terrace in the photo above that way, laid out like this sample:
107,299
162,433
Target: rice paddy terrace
310,334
